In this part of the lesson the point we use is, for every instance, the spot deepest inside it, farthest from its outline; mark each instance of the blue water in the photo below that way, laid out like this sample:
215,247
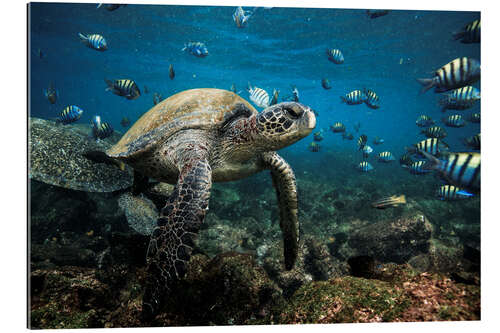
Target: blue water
279,47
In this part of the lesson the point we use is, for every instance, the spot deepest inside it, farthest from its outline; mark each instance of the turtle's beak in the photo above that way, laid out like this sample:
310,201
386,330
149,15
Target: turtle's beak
309,118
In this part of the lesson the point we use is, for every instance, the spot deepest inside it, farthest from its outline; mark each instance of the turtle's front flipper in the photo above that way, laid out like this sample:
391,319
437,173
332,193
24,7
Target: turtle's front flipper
286,190
173,239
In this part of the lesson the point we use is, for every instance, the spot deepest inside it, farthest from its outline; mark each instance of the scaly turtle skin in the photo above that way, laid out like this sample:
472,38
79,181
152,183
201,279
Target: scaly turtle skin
56,157
192,139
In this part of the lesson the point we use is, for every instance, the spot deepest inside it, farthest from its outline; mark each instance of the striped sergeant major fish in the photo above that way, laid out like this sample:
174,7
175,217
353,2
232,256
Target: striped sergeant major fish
124,87
455,74
450,192
471,33
473,142
276,94
459,169
434,132
386,157
392,201
51,93
460,99
454,120
416,168
475,118
258,96
364,166
197,49
318,136
100,129
372,100
335,56
378,141
338,127
240,17
406,160
362,141
354,97
432,146
424,121
94,41
70,114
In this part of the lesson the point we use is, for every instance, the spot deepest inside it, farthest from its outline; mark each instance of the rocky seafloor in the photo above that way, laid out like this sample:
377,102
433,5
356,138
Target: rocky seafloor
418,262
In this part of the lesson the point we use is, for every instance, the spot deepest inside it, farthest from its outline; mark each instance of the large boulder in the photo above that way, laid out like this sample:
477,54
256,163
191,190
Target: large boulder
392,240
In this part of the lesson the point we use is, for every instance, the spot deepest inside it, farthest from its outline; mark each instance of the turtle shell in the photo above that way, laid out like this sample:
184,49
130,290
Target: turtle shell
204,108
55,157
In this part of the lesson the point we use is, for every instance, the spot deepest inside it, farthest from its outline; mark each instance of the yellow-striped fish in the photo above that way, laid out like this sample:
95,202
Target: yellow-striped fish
474,142
124,87
335,56
338,127
424,121
434,132
460,99
386,157
362,140
94,41
450,192
460,169
432,146
471,33
365,166
70,114
455,74
454,120
354,97
372,100
416,168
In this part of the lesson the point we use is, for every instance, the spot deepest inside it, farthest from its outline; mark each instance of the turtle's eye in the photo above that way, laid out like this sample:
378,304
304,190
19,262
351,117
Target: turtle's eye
292,113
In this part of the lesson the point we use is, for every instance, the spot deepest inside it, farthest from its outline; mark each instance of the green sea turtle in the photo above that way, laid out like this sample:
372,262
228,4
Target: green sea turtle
197,137
56,157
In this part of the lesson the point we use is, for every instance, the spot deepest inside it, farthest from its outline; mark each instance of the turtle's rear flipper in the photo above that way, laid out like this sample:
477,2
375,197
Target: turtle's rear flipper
286,190
173,239
101,157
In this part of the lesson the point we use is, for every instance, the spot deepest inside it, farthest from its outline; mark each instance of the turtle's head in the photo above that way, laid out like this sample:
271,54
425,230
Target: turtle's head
282,124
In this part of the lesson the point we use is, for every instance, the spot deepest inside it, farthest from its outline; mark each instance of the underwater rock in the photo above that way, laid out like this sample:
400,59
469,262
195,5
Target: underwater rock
320,263
220,236
229,289
62,255
56,158
392,240
68,298
410,297
314,262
